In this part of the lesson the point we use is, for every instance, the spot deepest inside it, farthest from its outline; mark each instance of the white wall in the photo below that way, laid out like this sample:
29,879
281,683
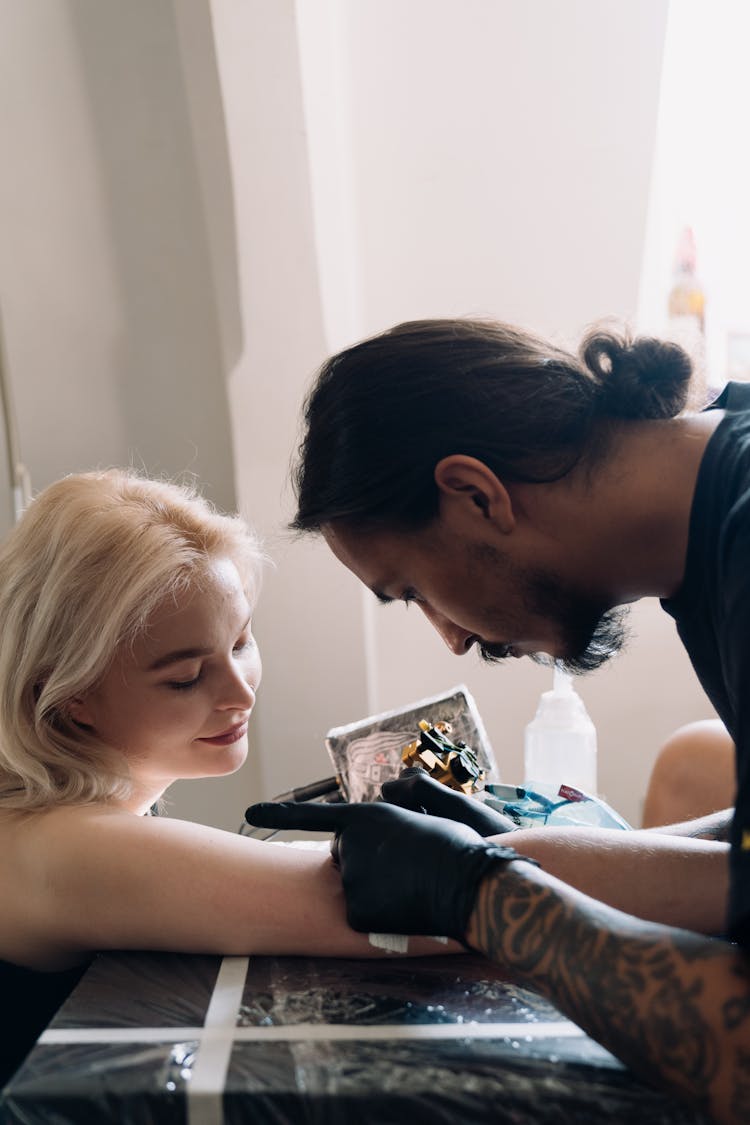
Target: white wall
106,284
309,622
118,280
7,459
709,41
199,201
489,158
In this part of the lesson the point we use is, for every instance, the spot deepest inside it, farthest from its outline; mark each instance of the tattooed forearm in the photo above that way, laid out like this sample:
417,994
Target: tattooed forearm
714,826
672,1005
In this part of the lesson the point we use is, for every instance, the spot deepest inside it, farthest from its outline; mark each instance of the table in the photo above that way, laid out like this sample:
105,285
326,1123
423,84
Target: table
201,1040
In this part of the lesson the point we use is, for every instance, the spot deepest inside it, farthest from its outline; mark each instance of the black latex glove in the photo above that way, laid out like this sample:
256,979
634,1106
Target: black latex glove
415,789
403,872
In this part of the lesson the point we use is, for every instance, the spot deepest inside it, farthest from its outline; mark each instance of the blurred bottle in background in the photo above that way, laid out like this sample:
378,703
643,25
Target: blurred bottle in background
686,309
560,741
687,300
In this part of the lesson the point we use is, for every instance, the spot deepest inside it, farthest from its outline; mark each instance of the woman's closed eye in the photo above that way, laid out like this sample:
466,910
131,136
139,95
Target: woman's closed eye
244,645
184,685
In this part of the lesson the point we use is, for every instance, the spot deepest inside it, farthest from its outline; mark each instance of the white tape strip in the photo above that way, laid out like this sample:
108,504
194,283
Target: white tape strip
69,1036
397,943
337,1031
393,943
288,1033
226,998
206,1086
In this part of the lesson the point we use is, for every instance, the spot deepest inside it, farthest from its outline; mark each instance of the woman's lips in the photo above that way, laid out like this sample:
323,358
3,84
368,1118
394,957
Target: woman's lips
234,734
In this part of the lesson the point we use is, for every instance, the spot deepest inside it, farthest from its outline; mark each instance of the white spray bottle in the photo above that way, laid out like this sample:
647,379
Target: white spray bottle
560,741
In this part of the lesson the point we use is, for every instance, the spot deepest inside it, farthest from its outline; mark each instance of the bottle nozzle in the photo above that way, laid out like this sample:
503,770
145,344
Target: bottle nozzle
562,682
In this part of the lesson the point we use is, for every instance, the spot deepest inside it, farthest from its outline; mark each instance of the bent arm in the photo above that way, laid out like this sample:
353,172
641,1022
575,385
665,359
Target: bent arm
673,879
672,1005
162,884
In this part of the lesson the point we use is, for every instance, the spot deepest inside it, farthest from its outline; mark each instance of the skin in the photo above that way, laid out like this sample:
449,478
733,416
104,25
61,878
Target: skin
693,774
672,1005
177,703
78,879
640,873
471,570
628,959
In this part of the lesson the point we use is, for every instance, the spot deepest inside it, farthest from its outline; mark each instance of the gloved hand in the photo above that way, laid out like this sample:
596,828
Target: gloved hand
402,872
415,789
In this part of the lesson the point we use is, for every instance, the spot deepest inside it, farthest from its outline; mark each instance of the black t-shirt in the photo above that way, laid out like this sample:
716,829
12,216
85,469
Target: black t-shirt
712,611
28,1001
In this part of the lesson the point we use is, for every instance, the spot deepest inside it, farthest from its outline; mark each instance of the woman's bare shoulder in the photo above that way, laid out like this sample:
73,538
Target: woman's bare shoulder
62,846
39,848
61,823
46,835
61,865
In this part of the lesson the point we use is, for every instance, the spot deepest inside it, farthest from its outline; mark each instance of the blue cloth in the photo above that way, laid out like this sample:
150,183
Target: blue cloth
712,612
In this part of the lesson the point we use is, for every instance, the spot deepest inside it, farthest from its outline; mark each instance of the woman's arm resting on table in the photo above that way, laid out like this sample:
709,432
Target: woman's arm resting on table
109,880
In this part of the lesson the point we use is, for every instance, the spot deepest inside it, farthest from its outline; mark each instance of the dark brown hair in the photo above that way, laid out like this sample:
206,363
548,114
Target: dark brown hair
383,413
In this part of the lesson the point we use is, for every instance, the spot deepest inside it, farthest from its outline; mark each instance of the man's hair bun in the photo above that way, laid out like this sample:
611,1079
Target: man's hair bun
637,378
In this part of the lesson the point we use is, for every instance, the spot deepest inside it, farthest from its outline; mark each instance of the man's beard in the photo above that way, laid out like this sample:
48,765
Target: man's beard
607,639
590,632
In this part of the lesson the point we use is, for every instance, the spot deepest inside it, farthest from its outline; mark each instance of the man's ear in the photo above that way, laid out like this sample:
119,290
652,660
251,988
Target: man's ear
466,481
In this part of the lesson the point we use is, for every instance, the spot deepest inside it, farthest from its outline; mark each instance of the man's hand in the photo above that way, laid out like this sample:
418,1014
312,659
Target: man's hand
402,872
415,789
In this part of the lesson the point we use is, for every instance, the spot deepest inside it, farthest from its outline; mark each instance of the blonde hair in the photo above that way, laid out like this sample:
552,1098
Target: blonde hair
80,575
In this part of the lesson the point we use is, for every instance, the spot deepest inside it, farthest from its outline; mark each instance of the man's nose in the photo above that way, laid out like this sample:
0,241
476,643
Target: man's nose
458,640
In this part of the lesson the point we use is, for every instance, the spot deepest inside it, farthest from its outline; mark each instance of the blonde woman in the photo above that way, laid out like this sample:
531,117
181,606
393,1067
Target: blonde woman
127,660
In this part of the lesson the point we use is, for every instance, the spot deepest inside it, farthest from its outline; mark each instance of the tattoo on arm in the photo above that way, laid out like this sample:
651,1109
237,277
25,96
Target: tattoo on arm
717,826
672,1005
714,826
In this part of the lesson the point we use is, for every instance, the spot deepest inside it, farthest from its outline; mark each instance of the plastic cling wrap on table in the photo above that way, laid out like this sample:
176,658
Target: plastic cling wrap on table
188,1040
